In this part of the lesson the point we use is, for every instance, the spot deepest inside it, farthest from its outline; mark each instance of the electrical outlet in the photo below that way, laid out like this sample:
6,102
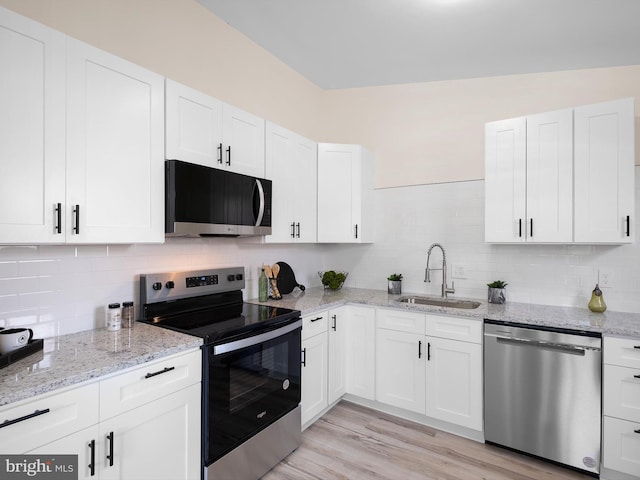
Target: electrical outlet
606,279
457,271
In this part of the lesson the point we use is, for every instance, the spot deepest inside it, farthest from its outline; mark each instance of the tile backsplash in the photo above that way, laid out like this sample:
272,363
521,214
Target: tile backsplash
64,288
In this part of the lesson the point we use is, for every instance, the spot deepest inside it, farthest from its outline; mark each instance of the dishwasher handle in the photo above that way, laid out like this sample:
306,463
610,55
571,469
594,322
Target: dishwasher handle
560,347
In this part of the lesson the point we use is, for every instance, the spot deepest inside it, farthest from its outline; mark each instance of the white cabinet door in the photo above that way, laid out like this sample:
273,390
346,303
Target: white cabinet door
337,372
621,446
32,148
115,149
193,126
314,376
345,190
549,191
505,180
400,369
604,172
84,444
291,163
360,351
159,440
243,138
454,382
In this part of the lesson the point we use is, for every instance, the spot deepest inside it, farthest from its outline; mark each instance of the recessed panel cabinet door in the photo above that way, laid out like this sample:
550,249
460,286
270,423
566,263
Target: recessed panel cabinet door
505,181
115,149
336,222
604,172
314,376
32,149
243,138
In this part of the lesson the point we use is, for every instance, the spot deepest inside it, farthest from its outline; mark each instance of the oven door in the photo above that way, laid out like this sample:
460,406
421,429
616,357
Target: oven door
249,384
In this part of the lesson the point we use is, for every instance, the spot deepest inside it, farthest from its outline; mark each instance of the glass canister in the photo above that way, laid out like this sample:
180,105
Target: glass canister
113,320
128,319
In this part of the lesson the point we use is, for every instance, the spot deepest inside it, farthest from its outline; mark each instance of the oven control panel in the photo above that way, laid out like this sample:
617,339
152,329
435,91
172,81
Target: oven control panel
161,287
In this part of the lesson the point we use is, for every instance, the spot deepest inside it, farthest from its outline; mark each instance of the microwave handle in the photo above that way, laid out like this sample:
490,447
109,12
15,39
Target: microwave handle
260,191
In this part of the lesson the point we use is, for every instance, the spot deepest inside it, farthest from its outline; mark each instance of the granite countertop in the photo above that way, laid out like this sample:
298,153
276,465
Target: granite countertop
71,359
613,323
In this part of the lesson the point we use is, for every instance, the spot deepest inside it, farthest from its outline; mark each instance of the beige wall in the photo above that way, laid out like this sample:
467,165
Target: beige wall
419,133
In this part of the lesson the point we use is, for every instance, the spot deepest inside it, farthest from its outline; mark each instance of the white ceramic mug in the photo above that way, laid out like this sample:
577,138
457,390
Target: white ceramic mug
13,338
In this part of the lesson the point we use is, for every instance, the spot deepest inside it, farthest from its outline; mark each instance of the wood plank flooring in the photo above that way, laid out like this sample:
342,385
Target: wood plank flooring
352,442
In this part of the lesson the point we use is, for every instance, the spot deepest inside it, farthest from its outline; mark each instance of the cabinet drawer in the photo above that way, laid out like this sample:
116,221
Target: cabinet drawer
66,413
621,442
314,324
454,328
401,321
622,392
622,351
149,382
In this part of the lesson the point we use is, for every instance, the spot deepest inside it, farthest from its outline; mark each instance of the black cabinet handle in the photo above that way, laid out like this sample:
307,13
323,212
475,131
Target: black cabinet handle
304,357
316,319
428,351
37,413
637,431
92,464
520,227
293,230
419,348
636,376
110,456
628,225
220,153
164,370
356,230
636,346
298,230
58,212
335,322
531,228
229,155
76,213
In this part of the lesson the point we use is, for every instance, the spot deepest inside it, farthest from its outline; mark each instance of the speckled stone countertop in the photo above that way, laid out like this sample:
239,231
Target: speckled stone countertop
71,359
612,323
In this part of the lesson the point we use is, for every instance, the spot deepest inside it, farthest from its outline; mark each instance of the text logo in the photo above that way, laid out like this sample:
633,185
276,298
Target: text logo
49,467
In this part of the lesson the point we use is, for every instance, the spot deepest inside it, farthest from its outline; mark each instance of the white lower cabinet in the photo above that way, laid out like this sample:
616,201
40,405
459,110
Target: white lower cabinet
337,372
361,352
621,405
437,376
154,436
314,365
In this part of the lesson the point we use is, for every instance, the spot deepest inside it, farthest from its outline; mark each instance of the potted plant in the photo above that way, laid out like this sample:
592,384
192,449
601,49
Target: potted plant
497,292
395,283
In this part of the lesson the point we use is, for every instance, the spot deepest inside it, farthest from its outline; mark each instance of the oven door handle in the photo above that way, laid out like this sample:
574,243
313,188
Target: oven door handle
257,339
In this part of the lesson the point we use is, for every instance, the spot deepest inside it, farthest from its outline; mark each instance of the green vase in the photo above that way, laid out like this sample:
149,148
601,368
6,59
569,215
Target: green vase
596,304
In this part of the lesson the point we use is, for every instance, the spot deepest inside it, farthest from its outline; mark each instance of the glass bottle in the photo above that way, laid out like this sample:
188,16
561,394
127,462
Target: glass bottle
263,287
113,320
127,315
596,304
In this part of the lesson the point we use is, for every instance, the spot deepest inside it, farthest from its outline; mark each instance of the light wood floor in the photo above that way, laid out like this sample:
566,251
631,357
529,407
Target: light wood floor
352,442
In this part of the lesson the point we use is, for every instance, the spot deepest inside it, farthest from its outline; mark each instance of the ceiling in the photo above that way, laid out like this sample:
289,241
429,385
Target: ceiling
358,43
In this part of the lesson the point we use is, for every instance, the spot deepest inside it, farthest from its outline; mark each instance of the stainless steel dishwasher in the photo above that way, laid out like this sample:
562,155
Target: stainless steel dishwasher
542,392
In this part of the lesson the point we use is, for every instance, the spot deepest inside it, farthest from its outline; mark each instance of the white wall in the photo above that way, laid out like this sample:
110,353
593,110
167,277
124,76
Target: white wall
409,219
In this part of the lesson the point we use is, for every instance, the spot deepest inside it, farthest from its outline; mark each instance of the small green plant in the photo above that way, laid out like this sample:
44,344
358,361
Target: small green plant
497,284
333,279
395,277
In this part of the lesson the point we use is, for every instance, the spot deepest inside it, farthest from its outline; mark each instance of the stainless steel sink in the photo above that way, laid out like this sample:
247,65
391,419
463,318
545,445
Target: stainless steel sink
440,302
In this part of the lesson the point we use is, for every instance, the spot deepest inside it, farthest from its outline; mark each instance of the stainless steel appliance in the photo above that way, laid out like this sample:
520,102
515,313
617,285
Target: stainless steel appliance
542,392
201,201
251,367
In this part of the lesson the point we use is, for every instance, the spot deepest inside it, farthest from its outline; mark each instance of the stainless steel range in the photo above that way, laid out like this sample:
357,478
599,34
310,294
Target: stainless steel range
251,367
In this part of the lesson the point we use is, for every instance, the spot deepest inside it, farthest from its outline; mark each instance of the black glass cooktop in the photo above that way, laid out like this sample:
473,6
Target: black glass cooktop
217,317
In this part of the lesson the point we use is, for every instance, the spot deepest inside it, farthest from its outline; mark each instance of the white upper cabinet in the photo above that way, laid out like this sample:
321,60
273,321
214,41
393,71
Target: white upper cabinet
32,116
193,126
201,129
604,172
81,141
291,163
115,161
345,194
561,177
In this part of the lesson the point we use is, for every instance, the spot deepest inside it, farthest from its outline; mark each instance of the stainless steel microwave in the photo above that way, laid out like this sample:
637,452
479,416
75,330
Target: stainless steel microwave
205,201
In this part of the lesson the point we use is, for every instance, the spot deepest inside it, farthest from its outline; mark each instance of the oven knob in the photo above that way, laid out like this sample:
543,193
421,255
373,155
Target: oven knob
156,286
170,284
231,278
239,276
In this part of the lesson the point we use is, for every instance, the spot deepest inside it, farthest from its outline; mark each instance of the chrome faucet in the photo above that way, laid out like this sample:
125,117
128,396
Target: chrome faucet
427,279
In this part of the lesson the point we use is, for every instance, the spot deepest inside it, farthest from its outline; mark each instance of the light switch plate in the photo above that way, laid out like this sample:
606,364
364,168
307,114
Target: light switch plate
457,271
606,278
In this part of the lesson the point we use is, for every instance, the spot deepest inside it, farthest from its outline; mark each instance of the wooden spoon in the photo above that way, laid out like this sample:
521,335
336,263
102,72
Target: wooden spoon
275,269
267,271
